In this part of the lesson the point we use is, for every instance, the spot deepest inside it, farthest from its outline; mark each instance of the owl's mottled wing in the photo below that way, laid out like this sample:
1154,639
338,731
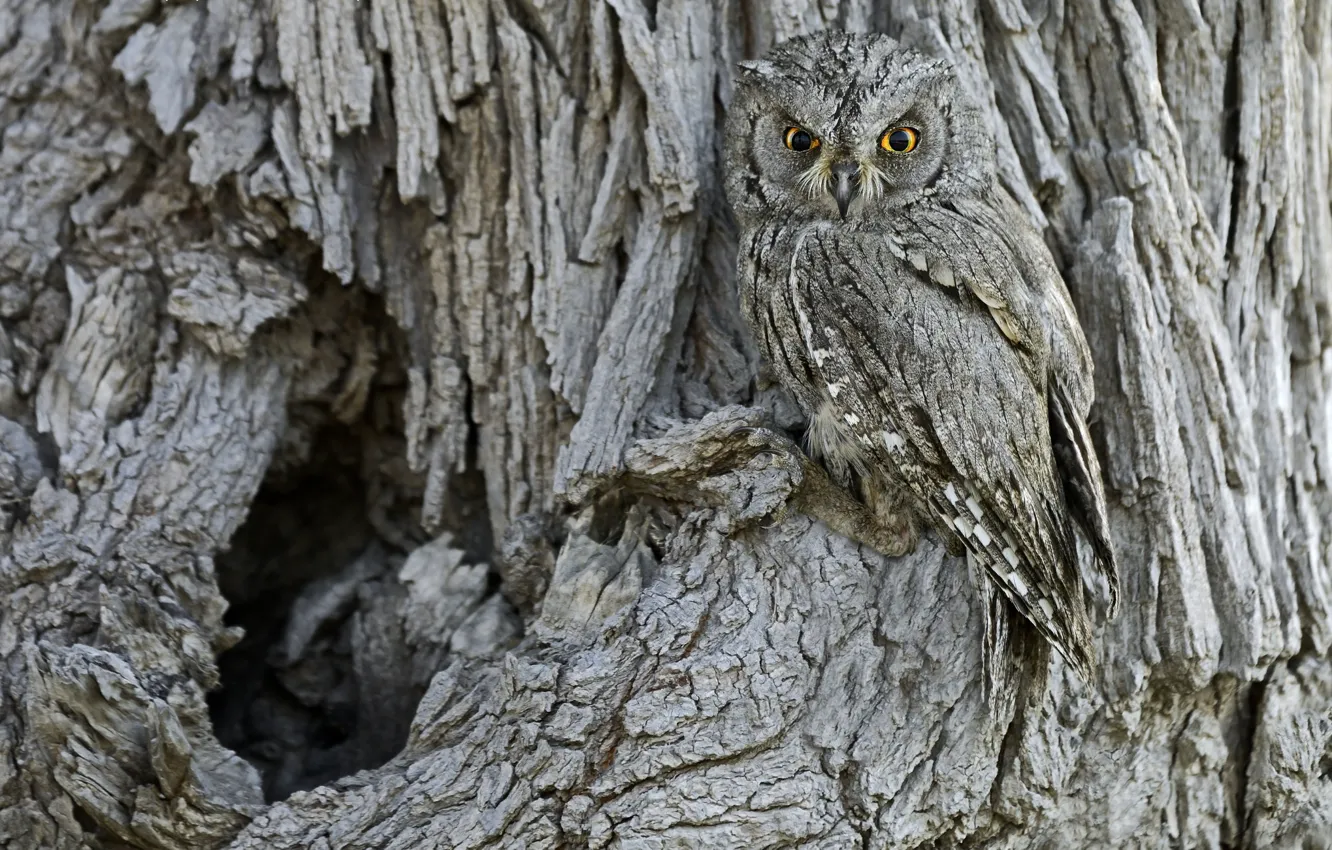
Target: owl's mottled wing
933,392
982,246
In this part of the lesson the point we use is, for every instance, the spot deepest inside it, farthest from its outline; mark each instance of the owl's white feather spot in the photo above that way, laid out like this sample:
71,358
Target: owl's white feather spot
975,508
982,535
989,297
918,260
1017,584
963,526
864,439
1047,608
852,419
950,493
1010,556
836,387
892,441
1001,318
942,274
819,355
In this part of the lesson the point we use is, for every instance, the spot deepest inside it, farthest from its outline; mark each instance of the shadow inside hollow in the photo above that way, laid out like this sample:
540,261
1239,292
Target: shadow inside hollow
314,691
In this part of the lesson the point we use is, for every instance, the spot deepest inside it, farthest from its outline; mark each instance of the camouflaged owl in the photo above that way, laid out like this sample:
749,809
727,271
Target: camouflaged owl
901,295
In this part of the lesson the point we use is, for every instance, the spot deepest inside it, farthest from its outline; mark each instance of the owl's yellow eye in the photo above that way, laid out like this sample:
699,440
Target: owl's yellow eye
900,140
800,139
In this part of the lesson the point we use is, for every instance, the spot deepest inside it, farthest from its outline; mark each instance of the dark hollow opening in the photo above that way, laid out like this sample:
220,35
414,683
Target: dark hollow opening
307,577
323,684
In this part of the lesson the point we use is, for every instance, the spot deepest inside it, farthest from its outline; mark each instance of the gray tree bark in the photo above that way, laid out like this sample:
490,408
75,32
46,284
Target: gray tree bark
407,329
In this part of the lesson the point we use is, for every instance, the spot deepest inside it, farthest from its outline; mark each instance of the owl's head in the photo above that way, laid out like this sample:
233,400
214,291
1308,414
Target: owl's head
843,126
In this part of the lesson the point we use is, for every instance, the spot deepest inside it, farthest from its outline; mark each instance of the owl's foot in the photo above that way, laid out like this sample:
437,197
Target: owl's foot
883,523
892,534
891,511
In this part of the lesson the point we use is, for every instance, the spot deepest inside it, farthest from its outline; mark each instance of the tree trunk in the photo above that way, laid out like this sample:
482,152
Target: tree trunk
383,466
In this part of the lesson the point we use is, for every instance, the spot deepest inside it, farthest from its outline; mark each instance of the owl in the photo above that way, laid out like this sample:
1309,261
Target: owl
899,293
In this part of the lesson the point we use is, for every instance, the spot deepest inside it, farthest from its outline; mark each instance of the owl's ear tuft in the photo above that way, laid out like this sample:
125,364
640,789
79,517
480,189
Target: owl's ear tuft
757,69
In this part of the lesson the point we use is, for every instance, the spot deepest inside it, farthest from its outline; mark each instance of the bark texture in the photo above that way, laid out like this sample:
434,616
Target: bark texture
382,463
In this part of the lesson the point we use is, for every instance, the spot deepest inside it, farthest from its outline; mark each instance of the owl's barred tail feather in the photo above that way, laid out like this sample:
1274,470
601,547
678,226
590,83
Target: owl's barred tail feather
1061,618
1007,636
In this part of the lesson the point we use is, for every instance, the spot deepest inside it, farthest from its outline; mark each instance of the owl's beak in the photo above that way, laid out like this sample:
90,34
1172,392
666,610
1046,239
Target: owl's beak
846,184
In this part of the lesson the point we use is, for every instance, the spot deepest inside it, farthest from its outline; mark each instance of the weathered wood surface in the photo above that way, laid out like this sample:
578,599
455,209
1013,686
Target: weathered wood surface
391,324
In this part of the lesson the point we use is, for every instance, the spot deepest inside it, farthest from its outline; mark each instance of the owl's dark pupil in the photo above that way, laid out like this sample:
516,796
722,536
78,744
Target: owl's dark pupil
899,140
800,141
